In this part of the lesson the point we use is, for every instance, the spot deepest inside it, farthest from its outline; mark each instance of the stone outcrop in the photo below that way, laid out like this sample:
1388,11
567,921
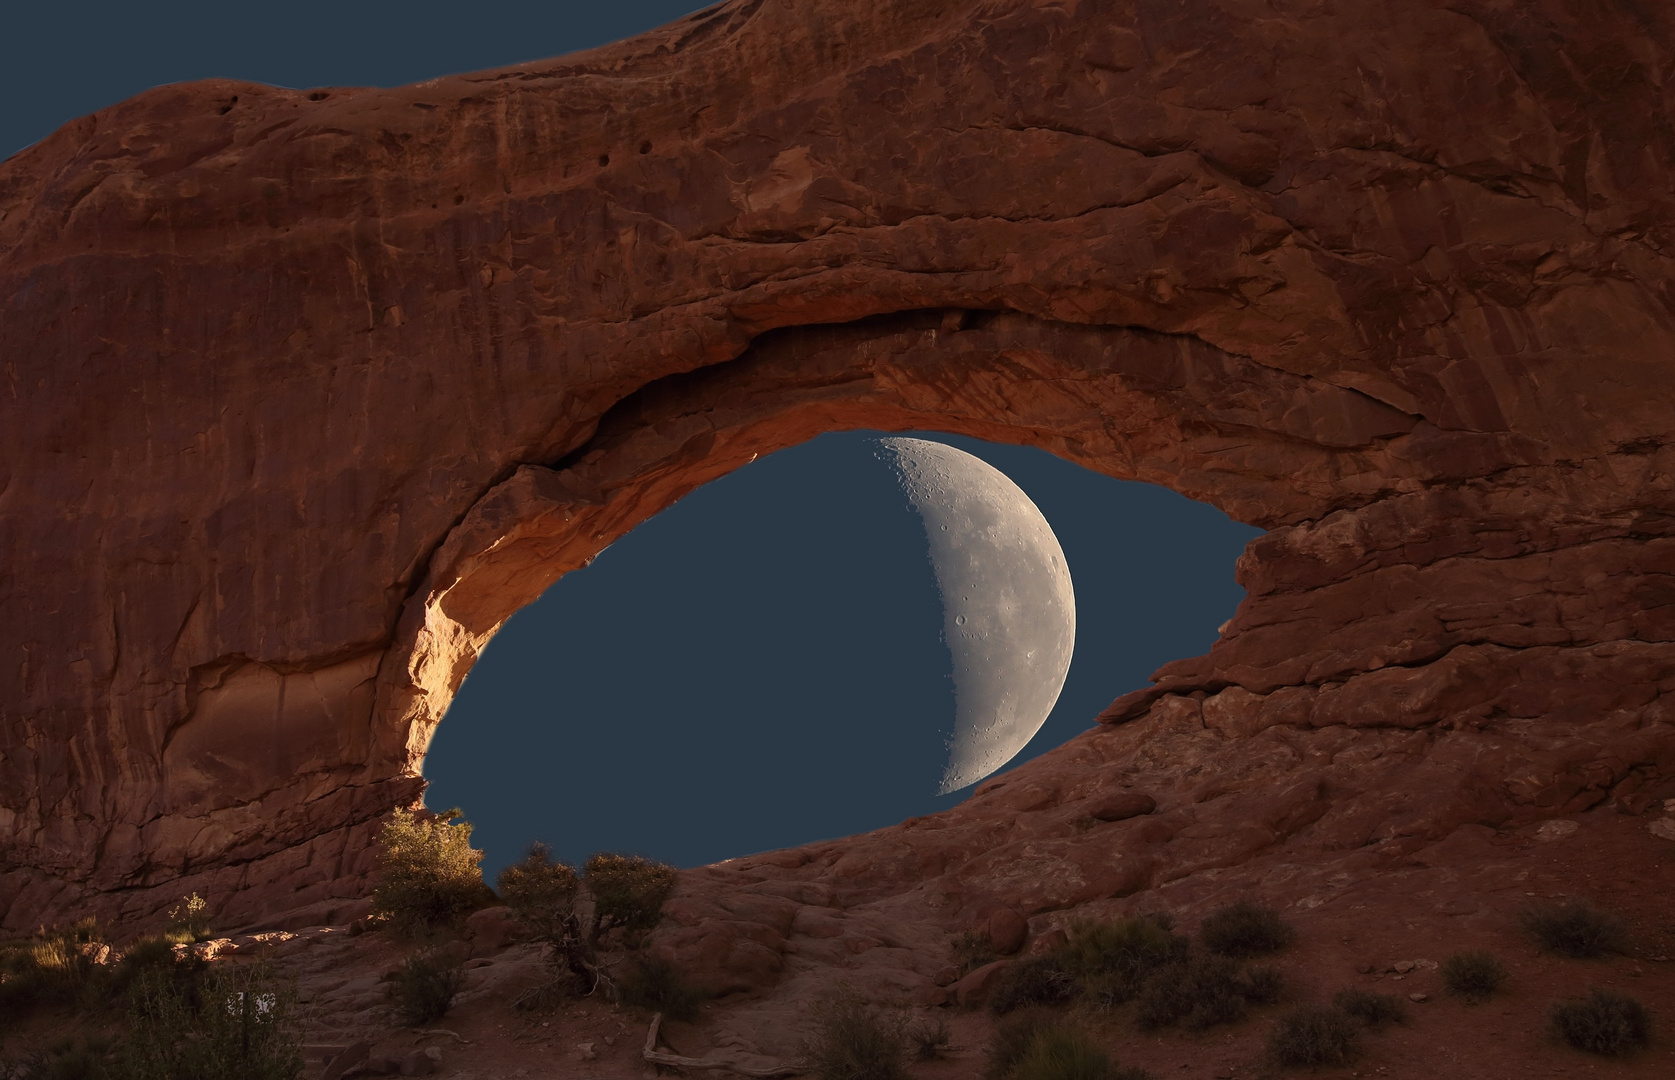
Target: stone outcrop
306,392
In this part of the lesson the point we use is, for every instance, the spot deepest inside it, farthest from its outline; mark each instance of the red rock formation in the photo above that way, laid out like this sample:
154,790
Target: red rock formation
308,392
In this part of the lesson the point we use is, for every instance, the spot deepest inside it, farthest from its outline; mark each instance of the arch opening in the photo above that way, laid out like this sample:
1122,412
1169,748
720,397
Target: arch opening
762,664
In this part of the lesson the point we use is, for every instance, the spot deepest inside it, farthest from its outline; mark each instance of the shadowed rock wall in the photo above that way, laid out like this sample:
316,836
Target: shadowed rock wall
305,392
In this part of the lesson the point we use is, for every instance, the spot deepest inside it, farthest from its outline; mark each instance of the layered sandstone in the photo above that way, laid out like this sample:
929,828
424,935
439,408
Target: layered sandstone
309,391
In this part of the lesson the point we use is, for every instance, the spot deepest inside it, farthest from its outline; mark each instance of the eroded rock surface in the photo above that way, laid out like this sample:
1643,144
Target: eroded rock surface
306,392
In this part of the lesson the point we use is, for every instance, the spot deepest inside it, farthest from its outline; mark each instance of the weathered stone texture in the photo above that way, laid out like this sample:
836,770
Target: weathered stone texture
306,392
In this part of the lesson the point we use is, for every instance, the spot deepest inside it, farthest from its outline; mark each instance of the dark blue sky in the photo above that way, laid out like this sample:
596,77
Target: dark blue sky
761,664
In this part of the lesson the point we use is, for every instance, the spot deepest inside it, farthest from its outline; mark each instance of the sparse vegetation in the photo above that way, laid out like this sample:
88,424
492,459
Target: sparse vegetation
1606,1022
232,1024
1034,1044
1039,980
1245,929
541,892
654,983
1111,961
425,986
1374,1010
188,921
1312,1035
854,1040
1202,992
972,949
1474,975
1575,928
56,967
929,1037
628,891
429,876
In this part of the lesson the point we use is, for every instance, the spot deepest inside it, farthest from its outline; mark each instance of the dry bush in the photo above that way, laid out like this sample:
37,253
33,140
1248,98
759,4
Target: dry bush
1202,992
1575,928
628,891
655,984
1314,1035
1474,975
425,986
1374,1010
54,968
1110,961
235,1023
1605,1022
854,1040
429,876
1245,929
1039,980
929,1036
1034,1044
972,949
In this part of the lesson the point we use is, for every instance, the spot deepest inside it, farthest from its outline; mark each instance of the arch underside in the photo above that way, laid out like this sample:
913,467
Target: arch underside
311,393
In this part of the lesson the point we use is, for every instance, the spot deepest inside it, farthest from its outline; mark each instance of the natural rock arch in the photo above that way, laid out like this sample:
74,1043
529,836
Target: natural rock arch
309,391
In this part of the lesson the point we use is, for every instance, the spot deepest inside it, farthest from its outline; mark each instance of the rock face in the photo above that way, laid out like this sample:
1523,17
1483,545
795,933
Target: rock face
306,392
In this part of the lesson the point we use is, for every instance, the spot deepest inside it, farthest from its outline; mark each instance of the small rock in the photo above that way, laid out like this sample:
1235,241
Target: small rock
587,1052
1121,806
1049,941
974,989
418,1063
1662,828
434,1053
1402,967
947,976
1007,931
1556,829
1366,967
1419,997
930,996
350,1057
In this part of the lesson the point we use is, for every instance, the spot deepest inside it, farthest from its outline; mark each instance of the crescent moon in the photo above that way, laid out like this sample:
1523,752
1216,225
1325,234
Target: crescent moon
1009,610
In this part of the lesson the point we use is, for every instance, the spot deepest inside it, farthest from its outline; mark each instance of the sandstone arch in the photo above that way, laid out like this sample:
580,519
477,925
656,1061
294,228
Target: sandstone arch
308,391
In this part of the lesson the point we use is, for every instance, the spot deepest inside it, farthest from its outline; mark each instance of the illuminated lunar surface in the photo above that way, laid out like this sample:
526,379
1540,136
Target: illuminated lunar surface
1009,612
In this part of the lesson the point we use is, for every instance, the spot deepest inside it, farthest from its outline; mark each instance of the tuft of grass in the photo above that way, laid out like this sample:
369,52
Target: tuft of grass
656,984
1314,1035
972,949
1606,1022
1013,1037
428,873
854,1040
1374,1010
1245,929
1474,975
425,986
1575,928
929,1037
629,891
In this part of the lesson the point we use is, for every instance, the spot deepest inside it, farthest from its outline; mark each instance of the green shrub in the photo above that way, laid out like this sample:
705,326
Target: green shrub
628,891
1374,1010
853,1040
1202,992
1473,975
929,1037
1605,1022
1245,929
540,891
1110,961
428,873
425,986
236,1024
1039,980
1013,1037
1034,1044
1312,1035
188,921
655,984
1575,928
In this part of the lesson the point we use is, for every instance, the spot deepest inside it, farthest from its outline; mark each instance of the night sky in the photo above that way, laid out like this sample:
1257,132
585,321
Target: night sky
759,665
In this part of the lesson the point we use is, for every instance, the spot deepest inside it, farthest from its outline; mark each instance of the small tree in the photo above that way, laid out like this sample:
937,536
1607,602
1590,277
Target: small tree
541,892
629,891
428,873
